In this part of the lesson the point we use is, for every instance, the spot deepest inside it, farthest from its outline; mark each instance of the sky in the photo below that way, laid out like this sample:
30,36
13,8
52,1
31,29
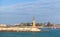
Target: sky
18,11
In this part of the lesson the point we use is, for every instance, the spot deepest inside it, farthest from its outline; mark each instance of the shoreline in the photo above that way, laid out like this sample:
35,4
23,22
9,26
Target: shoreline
25,29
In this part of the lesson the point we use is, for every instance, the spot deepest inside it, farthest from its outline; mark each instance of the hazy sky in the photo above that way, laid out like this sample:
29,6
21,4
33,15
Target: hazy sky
17,11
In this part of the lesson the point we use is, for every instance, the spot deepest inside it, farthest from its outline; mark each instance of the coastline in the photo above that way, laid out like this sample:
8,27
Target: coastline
21,29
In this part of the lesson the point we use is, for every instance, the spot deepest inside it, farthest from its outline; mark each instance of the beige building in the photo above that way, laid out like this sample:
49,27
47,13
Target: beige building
3,25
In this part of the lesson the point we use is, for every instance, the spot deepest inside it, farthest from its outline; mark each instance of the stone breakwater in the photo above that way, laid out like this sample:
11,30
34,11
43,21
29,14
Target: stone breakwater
18,29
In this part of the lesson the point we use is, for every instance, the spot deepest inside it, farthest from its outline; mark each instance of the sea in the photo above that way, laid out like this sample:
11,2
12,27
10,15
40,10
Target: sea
50,33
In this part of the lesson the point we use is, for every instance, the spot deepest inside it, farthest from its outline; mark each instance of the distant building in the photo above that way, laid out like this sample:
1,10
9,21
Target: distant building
16,24
3,25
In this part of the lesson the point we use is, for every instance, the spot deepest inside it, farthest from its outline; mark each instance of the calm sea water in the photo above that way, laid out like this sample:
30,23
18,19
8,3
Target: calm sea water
51,33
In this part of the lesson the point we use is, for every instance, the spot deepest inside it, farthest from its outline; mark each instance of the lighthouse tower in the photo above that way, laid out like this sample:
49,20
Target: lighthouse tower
34,28
33,22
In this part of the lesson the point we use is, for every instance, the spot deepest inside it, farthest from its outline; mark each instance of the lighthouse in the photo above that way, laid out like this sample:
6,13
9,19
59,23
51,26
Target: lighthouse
33,22
34,28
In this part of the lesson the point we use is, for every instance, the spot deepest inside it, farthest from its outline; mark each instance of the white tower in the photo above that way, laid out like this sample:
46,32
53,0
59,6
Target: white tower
33,22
